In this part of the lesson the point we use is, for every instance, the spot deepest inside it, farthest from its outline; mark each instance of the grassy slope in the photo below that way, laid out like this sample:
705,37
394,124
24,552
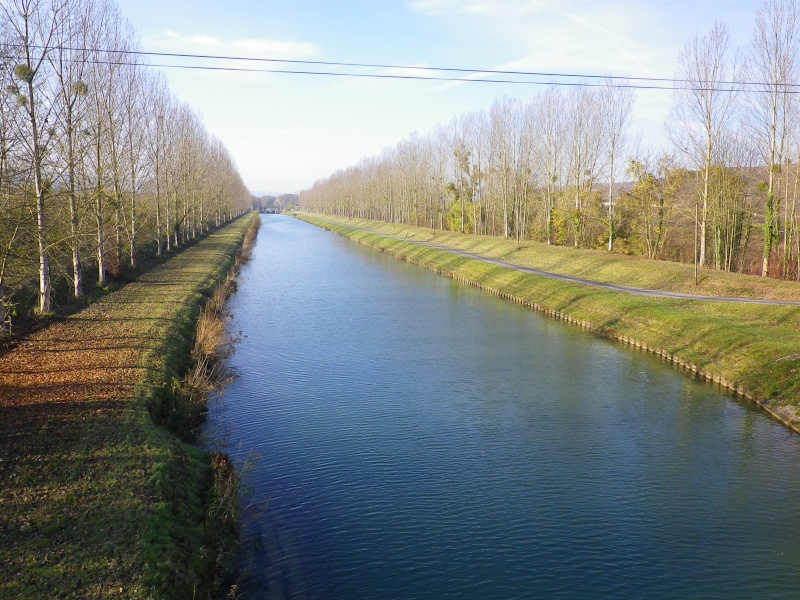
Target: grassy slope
97,501
754,349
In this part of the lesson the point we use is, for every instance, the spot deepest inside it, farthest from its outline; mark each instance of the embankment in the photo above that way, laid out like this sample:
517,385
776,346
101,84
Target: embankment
752,350
103,493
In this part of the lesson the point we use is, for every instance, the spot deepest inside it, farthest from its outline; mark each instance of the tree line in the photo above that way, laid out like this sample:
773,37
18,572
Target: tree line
563,167
269,202
100,164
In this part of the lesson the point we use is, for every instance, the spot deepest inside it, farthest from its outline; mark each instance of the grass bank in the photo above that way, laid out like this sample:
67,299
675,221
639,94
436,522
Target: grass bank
103,495
752,350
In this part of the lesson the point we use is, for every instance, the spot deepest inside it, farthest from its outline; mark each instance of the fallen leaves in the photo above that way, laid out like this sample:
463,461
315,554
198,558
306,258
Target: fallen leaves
75,465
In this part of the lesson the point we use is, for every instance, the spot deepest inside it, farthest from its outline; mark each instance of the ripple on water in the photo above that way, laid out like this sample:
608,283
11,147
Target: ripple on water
418,439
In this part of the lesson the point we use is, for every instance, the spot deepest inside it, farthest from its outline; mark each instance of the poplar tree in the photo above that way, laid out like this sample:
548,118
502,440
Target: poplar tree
34,24
772,66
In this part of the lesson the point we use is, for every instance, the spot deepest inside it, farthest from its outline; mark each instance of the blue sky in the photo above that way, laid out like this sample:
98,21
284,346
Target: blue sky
285,131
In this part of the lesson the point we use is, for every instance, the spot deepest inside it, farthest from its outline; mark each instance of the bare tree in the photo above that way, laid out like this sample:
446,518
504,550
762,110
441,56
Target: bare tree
13,171
134,133
77,138
616,107
773,64
68,63
548,111
703,107
477,134
157,97
96,165
34,24
585,142
504,129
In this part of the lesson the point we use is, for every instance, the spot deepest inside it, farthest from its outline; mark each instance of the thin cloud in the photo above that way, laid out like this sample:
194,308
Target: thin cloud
433,7
277,47
193,40
457,7
409,71
251,47
564,35
527,63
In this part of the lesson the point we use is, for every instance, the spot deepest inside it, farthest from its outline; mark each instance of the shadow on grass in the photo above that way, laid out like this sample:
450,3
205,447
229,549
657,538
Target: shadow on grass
95,499
29,323
59,497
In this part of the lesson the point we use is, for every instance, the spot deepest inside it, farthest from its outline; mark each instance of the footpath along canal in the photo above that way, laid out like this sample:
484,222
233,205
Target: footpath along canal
412,437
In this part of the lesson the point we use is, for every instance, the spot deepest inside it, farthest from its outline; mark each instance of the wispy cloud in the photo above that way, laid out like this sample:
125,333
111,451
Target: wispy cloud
618,36
450,7
408,71
196,40
228,71
627,38
280,48
251,47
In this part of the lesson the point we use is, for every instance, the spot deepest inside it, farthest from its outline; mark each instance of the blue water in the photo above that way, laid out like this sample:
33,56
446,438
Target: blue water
410,437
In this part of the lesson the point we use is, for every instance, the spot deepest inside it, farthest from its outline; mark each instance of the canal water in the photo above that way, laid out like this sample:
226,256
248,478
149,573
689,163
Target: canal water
407,437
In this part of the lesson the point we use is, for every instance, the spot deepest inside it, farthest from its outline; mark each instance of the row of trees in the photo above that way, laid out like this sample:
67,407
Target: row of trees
519,169
99,162
549,167
275,203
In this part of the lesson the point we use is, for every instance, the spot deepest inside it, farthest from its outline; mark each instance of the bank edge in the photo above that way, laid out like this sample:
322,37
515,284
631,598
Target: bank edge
723,344
188,547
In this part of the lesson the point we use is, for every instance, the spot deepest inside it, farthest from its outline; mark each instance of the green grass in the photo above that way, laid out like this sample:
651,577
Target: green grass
97,499
754,349
598,265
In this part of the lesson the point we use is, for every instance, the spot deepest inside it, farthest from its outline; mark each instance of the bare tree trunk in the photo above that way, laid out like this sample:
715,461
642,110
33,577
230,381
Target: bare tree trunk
101,255
704,206
118,229
41,226
169,224
77,273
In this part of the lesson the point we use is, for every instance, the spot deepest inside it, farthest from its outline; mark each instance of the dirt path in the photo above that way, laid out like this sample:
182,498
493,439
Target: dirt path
77,462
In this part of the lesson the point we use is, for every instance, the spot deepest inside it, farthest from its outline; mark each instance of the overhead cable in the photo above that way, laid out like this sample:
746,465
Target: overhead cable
613,81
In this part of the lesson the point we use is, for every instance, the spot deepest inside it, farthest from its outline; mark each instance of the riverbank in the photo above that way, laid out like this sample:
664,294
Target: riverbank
97,499
751,350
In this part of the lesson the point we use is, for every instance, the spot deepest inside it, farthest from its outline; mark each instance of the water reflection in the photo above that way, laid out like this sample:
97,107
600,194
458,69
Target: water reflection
420,439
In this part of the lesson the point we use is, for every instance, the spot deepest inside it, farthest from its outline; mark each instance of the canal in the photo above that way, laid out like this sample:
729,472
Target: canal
408,437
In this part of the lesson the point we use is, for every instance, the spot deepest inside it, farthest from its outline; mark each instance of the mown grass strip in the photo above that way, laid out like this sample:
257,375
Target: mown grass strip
97,499
753,350
597,265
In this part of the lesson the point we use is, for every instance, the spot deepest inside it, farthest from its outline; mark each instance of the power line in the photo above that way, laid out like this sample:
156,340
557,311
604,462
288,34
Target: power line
435,69
384,66
623,82
411,77
447,79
